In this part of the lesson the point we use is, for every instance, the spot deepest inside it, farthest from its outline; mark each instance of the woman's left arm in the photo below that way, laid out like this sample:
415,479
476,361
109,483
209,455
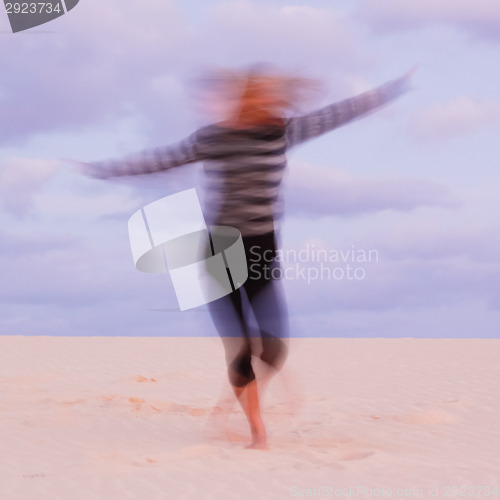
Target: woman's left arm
305,127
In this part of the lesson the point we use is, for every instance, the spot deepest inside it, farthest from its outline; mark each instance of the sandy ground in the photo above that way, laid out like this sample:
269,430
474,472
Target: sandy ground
128,418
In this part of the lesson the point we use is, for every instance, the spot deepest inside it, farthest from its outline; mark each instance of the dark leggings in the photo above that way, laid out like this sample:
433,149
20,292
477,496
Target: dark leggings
259,296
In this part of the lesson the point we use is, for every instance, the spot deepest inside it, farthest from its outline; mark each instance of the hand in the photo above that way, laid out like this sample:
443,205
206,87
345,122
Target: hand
405,82
412,71
80,165
87,169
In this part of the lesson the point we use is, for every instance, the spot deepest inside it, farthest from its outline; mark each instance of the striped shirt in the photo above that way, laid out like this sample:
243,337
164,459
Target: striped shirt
244,168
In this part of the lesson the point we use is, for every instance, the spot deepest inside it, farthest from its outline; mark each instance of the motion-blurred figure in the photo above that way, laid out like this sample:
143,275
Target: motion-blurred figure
244,161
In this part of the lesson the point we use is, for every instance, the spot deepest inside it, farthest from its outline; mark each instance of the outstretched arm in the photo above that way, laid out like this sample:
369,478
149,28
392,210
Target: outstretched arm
145,162
303,128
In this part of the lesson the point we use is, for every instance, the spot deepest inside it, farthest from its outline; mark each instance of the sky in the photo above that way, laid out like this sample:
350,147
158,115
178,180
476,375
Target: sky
413,186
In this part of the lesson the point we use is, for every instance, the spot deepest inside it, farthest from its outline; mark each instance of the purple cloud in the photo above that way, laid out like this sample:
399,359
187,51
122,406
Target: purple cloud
21,179
459,116
480,19
314,190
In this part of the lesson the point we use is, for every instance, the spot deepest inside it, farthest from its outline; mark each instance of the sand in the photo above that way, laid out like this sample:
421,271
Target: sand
128,418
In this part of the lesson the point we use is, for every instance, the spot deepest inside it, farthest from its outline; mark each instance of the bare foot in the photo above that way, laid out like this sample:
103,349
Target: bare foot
258,443
259,438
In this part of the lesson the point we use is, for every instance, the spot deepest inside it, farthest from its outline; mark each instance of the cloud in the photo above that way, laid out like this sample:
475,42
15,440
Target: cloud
55,194
314,190
282,33
96,66
434,240
35,242
480,19
385,274
88,289
21,179
111,60
460,116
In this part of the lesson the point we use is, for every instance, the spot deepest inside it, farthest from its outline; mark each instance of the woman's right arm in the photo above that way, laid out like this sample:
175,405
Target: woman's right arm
147,161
